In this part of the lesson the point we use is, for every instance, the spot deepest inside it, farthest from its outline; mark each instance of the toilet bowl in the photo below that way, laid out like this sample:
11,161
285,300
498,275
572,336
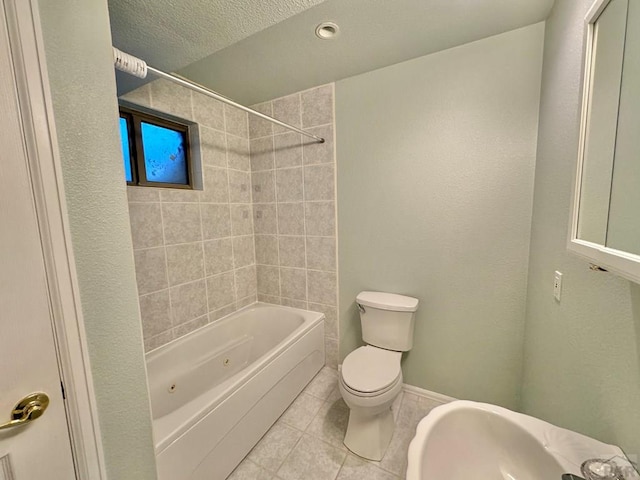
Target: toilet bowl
371,377
370,380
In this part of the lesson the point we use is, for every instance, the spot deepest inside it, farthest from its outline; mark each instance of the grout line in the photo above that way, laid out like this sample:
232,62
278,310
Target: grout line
174,329
344,460
290,451
276,168
229,133
277,220
292,202
231,304
166,266
304,213
334,162
252,213
155,292
251,217
198,202
232,169
204,261
233,255
198,241
151,105
192,281
191,109
210,127
305,140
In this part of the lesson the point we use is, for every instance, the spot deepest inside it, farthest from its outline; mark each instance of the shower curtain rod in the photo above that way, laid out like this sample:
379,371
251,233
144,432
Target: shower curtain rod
134,66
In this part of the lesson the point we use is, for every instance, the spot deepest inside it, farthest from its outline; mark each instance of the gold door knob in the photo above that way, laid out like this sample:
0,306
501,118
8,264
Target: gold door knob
27,410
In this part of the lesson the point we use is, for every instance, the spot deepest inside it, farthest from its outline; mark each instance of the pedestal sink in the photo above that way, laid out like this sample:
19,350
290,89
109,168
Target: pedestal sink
465,440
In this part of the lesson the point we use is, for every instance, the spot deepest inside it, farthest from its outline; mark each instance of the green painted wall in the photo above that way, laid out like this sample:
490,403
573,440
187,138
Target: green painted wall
582,357
78,49
435,184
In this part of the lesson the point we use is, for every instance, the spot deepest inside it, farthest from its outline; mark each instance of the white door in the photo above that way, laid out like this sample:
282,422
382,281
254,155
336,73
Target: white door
39,449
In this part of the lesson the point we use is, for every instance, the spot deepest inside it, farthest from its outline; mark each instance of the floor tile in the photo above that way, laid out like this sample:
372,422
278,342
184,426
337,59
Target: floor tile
306,443
330,424
274,447
355,468
248,470
323,384
302,411
425,405
395,408
312,459
334,395
395,458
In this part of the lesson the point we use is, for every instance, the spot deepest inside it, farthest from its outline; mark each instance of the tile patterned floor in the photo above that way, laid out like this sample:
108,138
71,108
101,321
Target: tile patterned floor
306,441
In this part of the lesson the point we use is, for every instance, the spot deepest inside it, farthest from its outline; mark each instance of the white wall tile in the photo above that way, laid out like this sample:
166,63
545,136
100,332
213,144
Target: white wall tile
185,263
263,186
181,222
305,208
151,270
146,224
218,256
177,222
221,290
216,220
188,301
280,216
292,251
259,127
262,154
288,150
264,217
291,218
317,106
289,185
287,110
236,122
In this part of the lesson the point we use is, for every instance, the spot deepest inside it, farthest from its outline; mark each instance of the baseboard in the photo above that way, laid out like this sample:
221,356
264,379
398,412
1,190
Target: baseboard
421,392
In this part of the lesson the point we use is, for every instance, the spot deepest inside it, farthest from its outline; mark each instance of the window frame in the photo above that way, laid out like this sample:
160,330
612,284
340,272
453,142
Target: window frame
134,119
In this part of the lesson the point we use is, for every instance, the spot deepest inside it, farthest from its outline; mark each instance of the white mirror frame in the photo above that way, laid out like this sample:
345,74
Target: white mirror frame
622,263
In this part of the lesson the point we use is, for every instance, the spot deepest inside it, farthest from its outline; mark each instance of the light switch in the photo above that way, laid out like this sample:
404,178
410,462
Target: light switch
557,285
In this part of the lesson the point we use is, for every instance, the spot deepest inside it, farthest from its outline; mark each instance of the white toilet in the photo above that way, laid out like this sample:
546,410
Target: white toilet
371,377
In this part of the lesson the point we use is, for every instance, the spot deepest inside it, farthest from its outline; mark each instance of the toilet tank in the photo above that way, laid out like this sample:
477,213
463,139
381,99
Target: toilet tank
387,319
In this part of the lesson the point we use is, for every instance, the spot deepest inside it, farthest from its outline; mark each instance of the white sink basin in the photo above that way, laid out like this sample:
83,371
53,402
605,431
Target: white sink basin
476,441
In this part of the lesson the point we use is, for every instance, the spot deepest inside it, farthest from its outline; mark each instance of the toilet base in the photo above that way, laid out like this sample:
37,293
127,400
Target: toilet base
369,435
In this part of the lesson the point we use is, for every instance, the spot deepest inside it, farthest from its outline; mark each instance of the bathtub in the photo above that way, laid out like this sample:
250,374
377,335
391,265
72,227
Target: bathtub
216,391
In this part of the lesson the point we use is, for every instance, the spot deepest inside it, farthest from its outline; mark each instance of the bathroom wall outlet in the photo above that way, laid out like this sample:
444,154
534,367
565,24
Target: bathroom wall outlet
557,285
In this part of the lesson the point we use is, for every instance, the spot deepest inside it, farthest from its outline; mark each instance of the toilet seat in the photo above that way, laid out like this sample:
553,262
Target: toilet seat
377,393
370,371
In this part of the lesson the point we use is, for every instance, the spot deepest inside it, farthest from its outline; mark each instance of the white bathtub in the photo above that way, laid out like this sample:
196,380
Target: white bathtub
216,391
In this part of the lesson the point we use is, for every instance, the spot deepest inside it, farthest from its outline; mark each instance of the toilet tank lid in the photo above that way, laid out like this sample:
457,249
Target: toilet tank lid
387,301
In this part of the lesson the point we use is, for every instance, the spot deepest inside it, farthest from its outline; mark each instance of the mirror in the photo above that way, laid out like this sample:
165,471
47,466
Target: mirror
606,219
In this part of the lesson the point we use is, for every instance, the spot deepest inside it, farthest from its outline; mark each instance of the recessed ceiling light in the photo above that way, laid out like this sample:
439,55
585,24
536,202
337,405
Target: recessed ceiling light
327,30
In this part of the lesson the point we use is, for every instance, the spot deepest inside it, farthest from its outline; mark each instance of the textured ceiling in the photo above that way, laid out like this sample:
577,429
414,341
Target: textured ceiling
286,57
169,34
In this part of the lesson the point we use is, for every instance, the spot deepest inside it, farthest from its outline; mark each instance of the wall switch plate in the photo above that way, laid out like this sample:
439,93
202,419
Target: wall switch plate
557,285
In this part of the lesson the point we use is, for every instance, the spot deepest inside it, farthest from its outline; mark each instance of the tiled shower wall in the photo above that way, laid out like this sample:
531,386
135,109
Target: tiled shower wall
268,201
194,250
294,192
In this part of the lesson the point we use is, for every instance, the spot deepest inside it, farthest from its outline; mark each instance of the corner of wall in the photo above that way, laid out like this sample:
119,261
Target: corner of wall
77,42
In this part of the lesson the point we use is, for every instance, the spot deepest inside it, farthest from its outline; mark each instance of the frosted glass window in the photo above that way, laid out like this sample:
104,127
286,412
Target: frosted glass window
155,150
165,157
126,151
